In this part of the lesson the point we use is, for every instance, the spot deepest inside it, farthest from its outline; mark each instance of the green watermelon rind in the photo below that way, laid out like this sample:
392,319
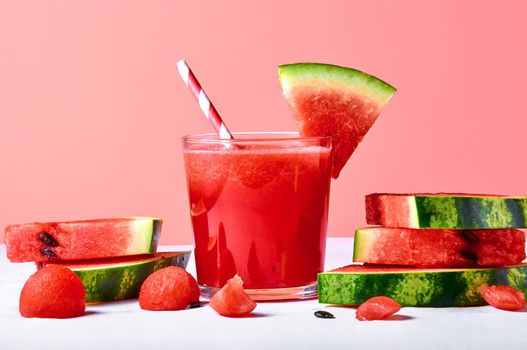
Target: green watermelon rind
361,244
335,76
471,212
148,231
120,281
418,287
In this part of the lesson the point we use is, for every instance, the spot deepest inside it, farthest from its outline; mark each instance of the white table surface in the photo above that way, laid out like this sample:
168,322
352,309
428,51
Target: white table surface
274,325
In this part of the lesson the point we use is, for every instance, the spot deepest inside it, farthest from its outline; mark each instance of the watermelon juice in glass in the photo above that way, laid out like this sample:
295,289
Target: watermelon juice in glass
259,206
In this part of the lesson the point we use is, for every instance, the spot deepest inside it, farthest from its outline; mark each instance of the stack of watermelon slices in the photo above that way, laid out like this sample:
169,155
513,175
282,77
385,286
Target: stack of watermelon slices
111,256
433,250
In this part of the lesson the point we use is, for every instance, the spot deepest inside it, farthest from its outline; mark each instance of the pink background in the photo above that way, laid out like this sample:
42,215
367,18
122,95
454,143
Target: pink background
92,109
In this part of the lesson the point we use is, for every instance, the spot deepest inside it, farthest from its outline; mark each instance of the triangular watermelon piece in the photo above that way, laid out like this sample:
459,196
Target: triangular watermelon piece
329,100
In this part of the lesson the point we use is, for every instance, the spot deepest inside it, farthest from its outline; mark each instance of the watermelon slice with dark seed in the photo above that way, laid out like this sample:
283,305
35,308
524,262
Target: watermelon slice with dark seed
439,248
83,239
328,100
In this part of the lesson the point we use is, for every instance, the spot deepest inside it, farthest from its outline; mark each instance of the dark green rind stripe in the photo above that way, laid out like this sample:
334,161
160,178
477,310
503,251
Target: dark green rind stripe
468,212
124,281
426,288
471,212
516,210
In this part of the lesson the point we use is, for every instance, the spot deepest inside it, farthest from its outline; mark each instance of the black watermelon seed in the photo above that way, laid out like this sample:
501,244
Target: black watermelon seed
469,236
323,314
48,239
194,305
469,255
48,252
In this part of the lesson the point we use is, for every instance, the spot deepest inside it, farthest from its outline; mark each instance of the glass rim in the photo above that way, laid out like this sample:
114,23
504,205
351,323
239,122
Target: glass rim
259,137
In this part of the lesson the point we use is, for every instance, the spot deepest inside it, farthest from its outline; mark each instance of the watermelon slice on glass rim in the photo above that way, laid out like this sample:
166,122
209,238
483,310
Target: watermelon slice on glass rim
340,102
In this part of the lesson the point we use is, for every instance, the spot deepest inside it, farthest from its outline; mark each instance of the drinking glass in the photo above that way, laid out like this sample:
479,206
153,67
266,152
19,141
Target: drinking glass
259,209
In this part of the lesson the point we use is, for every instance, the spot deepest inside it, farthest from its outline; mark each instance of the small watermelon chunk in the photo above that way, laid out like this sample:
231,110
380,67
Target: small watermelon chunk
171,288
504,297
439,248
120,278
377,308
231,300
53,292
86,239
438,287
328,100
446,210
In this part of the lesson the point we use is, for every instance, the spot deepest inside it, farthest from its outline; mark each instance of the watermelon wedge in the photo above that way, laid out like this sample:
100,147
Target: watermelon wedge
504,297
354,284
86,239
377,308
439,248
119,278
444,210
328,100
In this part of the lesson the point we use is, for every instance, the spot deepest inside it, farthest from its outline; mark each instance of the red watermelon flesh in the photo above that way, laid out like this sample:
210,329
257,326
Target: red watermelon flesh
439,248
85,239
53,292
231,300
504,297
171,288
377,308
329,114
334,101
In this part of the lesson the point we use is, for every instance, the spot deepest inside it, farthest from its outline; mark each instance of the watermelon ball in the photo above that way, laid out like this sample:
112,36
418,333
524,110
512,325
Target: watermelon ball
377,308
231,300
170,288
503,297
53,292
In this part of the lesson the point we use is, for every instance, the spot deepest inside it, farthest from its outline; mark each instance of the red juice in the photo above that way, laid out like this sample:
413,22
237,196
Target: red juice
259,209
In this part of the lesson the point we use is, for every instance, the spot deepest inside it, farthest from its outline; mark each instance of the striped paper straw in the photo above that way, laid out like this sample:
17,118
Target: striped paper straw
204,103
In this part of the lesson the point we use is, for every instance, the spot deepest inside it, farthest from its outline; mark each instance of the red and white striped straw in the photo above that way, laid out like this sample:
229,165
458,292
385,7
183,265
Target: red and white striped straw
204,103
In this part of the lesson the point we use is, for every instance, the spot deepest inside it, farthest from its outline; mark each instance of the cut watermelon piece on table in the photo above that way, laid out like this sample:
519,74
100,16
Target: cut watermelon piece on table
377,308
171,288
86,239
504,297
438,247
446,210
231,300
53,292
340,102
119,278
354,284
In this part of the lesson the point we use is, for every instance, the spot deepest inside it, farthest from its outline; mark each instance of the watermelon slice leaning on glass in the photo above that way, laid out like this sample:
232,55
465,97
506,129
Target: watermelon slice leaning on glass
340,102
